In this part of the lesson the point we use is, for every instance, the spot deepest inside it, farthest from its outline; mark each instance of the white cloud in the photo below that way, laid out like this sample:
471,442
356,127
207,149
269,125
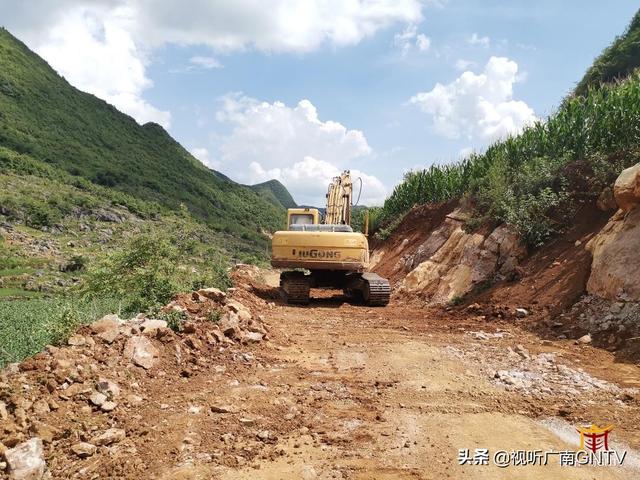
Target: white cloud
93,50
423,42
277,25
409,39
204,156
272,140
475,39
102,46
477,105
465,152
462,64
205,62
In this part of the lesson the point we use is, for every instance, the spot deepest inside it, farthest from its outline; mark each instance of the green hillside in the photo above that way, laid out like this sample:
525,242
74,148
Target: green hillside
275,193
617,61
41,115
536,180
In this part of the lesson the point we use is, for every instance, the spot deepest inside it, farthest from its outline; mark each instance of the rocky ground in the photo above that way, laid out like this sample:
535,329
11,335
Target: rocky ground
246,387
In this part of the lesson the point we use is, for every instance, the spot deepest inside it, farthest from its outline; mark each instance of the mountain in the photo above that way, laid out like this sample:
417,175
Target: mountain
44,117
275,193
617,61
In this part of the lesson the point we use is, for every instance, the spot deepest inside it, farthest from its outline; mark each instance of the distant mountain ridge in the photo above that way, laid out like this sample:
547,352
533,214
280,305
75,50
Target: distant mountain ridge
276,193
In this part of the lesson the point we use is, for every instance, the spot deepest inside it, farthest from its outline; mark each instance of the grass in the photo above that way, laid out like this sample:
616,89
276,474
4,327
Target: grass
27,326
11,292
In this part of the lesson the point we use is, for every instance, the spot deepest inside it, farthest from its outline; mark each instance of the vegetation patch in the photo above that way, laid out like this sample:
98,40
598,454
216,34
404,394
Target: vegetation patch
27,326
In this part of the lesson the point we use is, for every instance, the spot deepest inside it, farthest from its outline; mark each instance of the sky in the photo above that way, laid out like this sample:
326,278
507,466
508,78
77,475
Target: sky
299,90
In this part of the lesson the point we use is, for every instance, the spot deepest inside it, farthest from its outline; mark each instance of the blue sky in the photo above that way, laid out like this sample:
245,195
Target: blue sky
299,90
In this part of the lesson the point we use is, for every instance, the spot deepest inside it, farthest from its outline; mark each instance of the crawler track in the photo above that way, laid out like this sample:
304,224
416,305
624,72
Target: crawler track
294,287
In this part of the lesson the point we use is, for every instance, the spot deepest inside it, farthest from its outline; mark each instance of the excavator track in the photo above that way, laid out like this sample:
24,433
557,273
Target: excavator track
378,290
294,287
371,288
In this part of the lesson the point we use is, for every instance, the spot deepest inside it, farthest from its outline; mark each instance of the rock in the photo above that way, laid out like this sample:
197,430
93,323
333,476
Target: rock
97,398
193,343
26,460
223,409
238,308
188,327
105,324
151,326
615,258
134,400
606,200
108,406
141,352
3,411
584,339
522,312
83,449
253,337
110,436
214,294
76,340
11,369
103,215
616,308
40,407
109,388
627,188
229,323
523,352
264,435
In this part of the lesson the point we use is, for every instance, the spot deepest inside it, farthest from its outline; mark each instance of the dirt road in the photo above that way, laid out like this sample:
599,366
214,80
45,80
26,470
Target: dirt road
343,391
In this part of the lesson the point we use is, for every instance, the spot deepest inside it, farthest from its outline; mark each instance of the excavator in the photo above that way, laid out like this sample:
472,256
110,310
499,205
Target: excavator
324,252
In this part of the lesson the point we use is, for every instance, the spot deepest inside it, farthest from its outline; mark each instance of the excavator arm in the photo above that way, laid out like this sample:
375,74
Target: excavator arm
339,197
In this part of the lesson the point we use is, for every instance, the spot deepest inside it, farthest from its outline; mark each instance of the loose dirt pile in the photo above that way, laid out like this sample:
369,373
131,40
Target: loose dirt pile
87,400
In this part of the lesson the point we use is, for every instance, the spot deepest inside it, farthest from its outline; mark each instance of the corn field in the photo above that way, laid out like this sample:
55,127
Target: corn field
604,122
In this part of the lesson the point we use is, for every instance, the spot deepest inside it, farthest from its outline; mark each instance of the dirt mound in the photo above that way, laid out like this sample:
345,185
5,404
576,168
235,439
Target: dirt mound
120,380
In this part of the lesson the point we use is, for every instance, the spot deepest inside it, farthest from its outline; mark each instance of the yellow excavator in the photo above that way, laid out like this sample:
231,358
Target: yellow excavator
326,252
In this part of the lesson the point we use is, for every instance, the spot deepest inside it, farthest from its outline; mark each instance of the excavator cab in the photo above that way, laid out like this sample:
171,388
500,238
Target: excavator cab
302,216
331,253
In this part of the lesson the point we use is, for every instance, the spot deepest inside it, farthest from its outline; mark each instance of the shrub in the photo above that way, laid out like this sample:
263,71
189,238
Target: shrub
150,270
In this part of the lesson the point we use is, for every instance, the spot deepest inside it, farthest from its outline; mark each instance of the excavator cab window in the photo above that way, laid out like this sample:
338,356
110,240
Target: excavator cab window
301,219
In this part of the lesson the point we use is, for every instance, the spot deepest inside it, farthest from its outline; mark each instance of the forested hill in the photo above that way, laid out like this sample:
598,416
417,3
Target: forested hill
45,118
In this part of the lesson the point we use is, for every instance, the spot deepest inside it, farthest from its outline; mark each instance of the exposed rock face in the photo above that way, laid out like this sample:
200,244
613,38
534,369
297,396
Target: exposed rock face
26,460
615,269
451,262
627,188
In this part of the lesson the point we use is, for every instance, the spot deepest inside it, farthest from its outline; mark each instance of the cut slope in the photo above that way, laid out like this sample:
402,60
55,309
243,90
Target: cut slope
45,117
